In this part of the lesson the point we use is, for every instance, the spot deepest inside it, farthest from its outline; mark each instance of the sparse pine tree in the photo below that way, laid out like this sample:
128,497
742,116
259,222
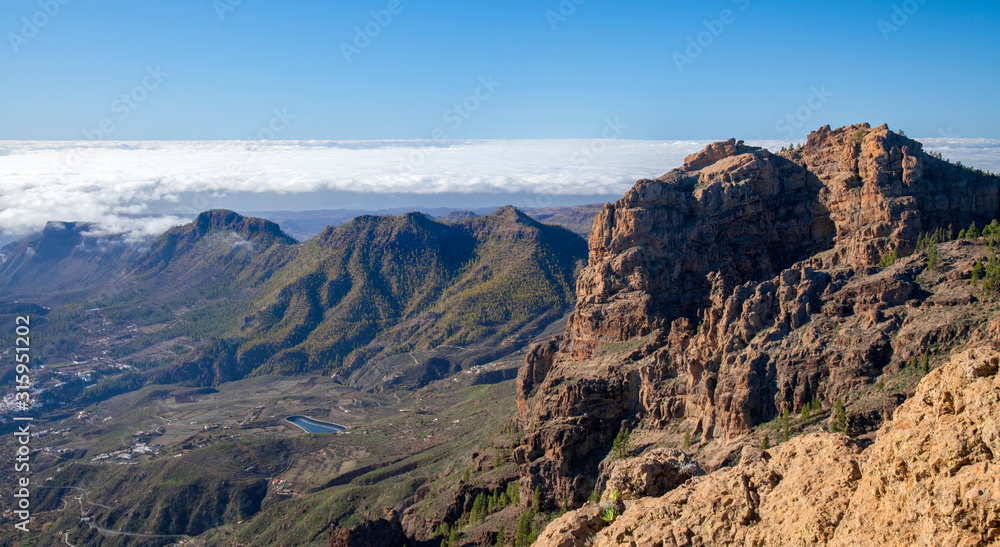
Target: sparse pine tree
514,492
500,539
619,448
932,253
972,232
785,425
926,364
839,424
687,440
994,228
889,259
524,538
977,270
479,509
991,276
766,443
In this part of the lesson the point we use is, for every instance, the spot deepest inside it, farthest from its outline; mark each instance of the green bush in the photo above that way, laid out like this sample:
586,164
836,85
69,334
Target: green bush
839,424
889,259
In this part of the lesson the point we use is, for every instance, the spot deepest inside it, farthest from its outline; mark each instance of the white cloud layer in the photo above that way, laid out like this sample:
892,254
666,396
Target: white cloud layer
126,186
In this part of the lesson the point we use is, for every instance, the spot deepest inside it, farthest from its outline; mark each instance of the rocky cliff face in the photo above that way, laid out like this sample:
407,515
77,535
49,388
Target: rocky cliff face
745,283
882,190
734,210
928,479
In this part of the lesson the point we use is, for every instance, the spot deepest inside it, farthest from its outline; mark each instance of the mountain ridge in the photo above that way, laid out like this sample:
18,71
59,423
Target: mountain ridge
403,267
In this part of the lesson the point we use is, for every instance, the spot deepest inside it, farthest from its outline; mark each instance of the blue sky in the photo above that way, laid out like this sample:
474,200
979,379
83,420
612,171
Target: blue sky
930,68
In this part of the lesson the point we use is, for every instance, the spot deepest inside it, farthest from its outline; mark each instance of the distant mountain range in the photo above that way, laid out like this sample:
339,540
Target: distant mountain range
256,301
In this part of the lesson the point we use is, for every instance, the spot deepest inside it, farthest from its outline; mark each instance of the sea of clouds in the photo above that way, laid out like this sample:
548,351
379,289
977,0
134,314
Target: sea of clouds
145,187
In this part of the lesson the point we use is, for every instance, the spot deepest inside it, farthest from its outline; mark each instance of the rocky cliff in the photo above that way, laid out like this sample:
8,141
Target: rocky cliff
746,284
928,479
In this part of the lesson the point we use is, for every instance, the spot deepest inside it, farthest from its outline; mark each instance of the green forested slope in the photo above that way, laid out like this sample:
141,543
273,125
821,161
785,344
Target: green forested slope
393,284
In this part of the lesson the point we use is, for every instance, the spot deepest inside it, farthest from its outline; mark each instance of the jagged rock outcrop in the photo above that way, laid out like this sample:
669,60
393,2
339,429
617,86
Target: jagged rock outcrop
733,209
744,283
932,473
929,478
882,190
574,529
651,474
537,364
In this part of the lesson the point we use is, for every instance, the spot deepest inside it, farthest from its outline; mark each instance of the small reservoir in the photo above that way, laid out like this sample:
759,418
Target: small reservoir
311,425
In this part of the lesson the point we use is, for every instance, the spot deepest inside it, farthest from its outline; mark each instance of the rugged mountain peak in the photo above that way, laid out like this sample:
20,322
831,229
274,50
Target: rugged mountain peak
882,190
509,212
58,226
222,219
744,283
508,215
58,239
735,210
214,235
735,213
409,229
458,216
715,152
